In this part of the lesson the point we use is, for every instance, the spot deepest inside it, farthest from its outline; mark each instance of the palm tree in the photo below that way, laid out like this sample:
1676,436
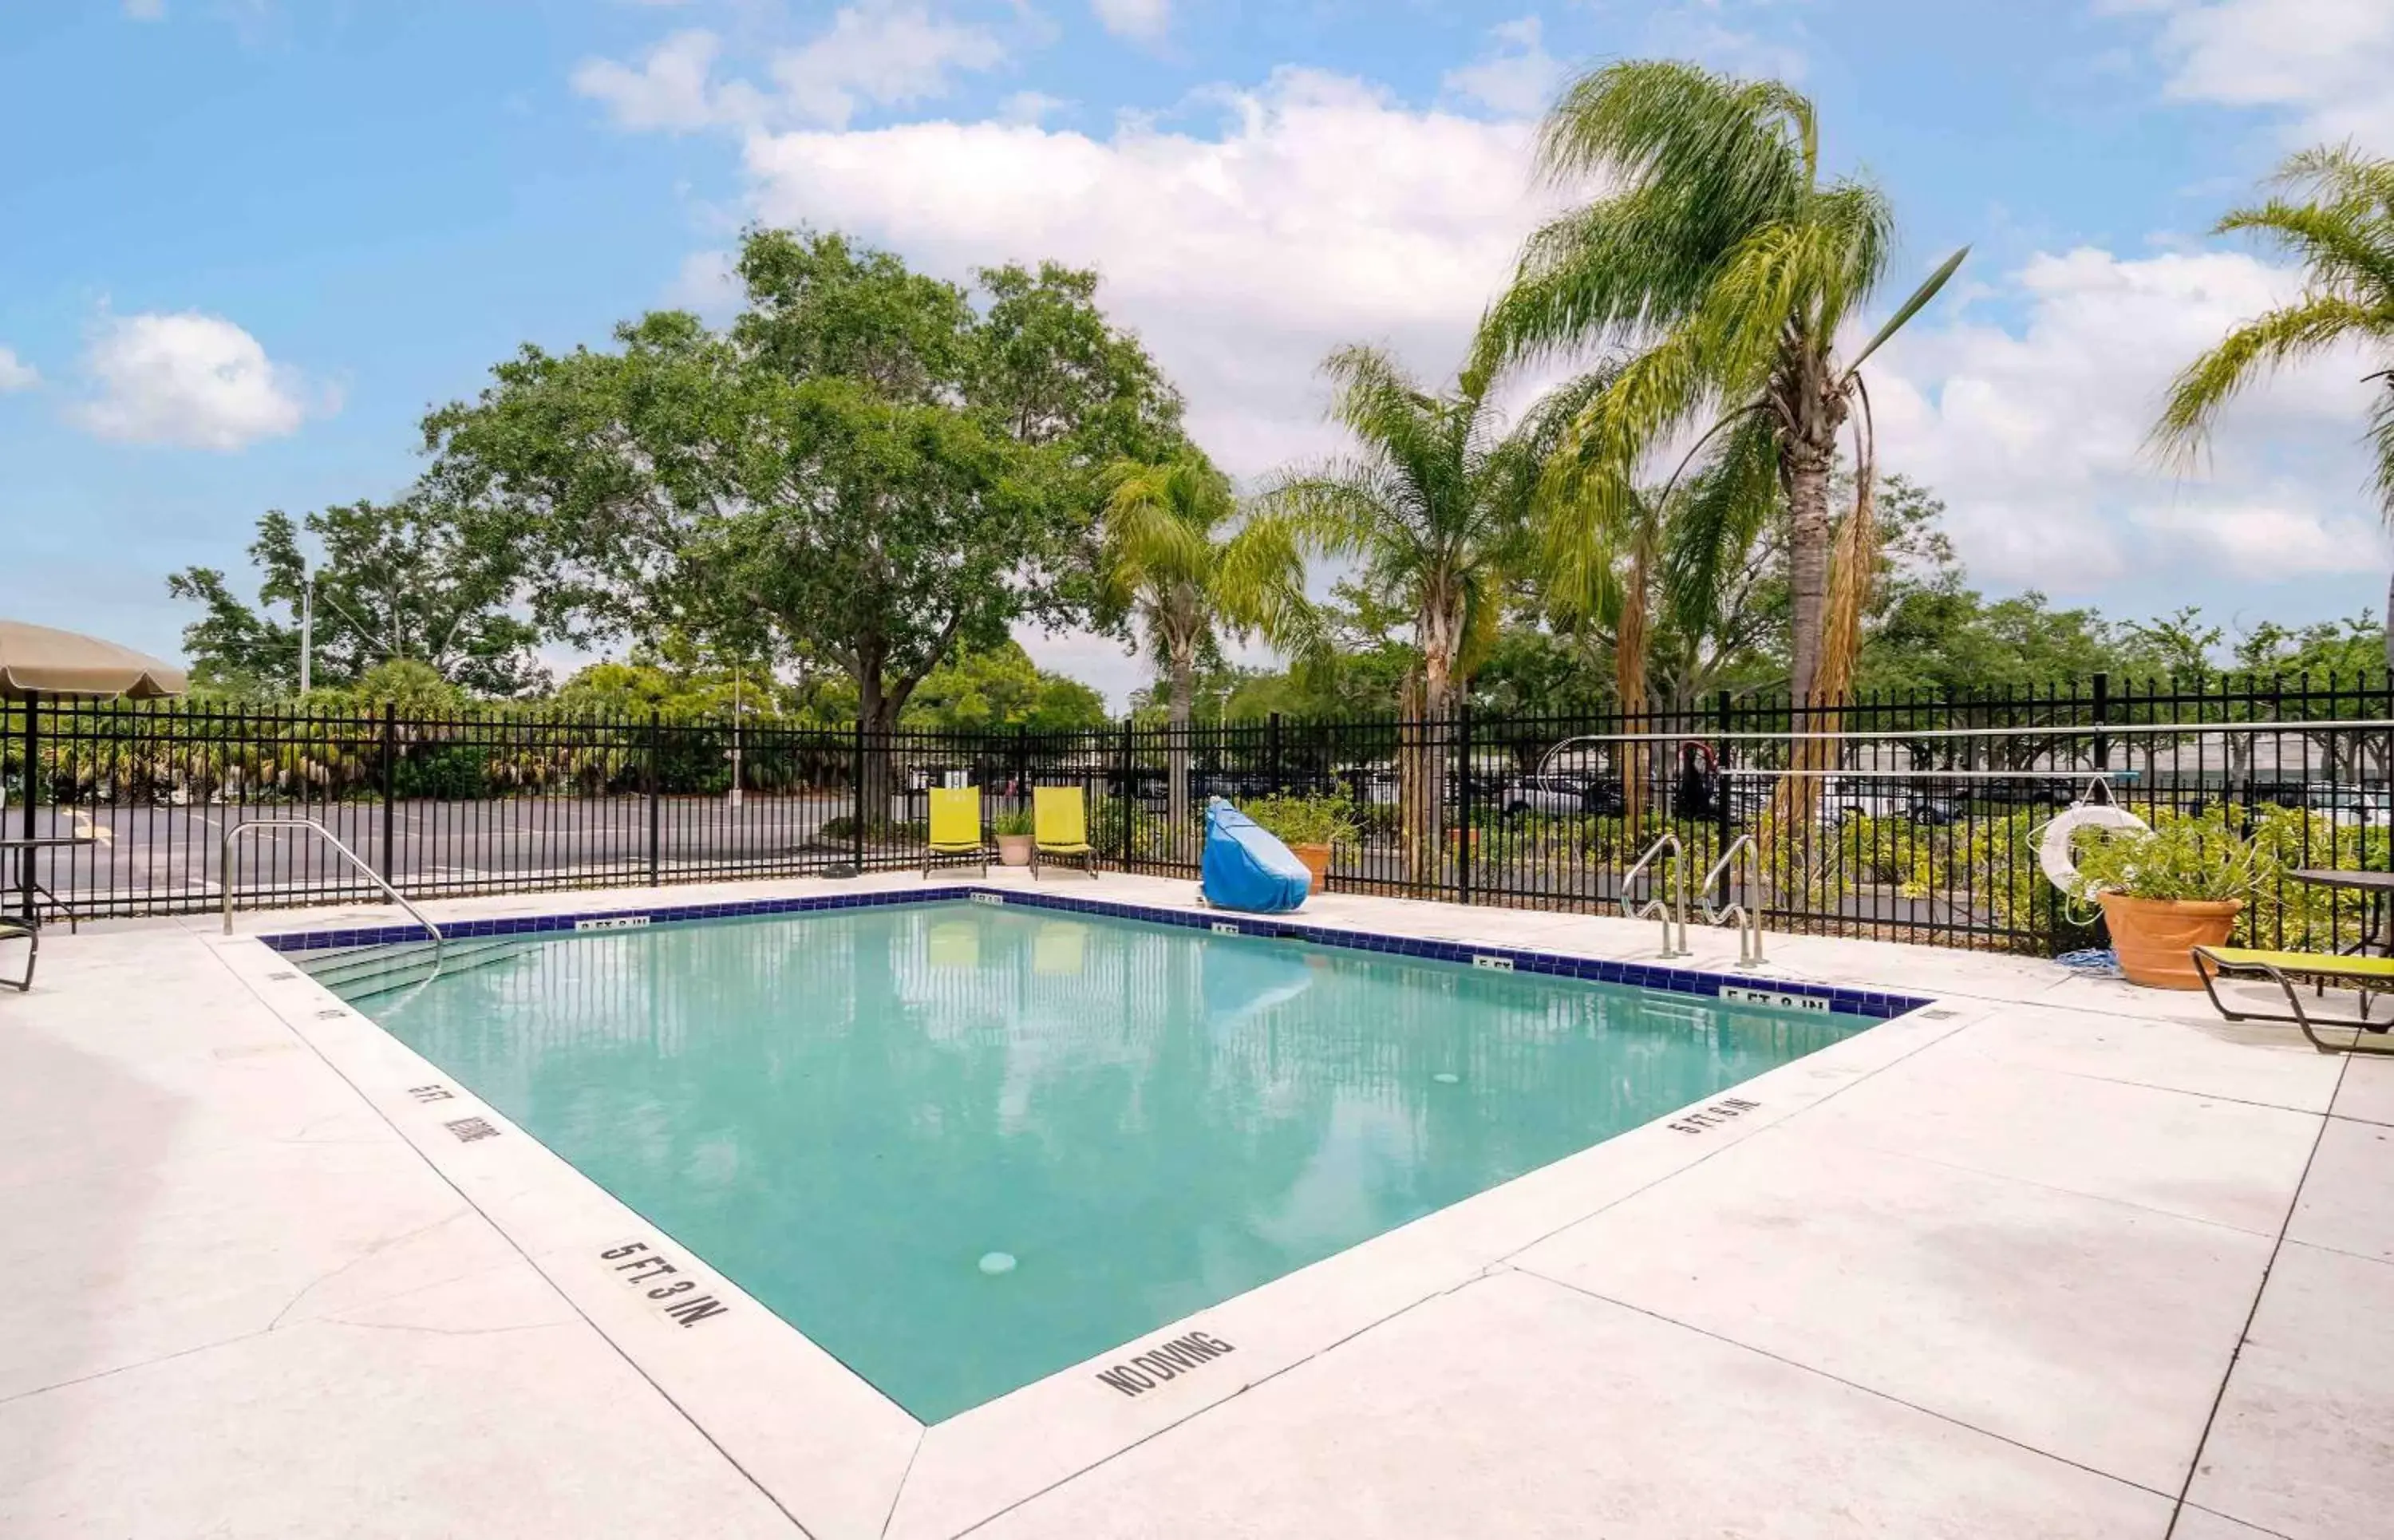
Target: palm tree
1433,508
1720,251
1167,557
2333,208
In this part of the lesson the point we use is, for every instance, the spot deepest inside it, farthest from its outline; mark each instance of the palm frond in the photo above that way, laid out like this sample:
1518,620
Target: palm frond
2268,342
1718,519
2342,250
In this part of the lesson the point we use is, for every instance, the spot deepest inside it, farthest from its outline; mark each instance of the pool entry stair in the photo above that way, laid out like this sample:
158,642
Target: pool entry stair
363,972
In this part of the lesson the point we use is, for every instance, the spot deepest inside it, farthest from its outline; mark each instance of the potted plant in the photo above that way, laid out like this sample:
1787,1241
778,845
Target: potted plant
1013,831
1314,828
2167,890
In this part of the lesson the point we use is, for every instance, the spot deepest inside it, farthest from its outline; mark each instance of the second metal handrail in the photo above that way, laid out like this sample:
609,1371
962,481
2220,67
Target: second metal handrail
1748,920
228,871
1654,908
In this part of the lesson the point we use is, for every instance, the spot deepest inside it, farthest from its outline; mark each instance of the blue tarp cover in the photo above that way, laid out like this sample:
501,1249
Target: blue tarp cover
1245,868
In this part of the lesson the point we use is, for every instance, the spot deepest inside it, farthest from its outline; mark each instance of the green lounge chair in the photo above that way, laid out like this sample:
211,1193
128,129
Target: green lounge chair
31,936
2365,976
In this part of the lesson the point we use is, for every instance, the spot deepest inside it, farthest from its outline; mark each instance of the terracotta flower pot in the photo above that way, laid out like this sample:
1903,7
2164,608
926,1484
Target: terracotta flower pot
1317,861
1014,850
2155,936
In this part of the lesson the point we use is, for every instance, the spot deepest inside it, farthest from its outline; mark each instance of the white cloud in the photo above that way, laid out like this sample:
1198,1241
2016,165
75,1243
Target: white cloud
145,10
881,53
1143,19
670,90
190,379
16,373
2324,61
2036,433
1319,212
1029,107
877,53
1703,31
1517,77
708,283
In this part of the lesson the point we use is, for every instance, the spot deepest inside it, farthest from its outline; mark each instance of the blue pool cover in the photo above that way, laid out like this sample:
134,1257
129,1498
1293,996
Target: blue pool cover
1245,868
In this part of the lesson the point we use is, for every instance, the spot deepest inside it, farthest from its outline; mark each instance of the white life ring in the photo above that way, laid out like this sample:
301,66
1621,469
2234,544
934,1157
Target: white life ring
2052,852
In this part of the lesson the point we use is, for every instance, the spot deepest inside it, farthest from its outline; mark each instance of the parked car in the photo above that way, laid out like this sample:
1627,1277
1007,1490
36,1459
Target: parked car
1564,796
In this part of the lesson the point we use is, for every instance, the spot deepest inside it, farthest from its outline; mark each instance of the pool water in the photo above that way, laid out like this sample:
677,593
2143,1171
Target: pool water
962,1146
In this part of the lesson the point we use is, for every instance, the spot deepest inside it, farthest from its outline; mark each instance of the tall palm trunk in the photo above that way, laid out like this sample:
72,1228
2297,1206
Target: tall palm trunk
1439,628
1182,664
1629,647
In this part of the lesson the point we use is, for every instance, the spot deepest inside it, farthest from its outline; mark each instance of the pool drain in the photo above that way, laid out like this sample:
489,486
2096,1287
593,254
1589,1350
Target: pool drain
997,1264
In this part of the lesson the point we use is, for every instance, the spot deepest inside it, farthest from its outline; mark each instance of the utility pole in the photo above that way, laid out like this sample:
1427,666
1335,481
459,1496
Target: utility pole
307,624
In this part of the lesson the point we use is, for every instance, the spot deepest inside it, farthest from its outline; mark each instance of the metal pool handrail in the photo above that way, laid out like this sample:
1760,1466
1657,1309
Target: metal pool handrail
1748,921
1654,908
226,866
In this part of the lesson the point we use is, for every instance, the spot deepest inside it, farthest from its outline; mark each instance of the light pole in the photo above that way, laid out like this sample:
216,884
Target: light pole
307,624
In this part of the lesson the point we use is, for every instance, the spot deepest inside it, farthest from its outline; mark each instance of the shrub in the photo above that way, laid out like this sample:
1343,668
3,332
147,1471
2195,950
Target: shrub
1305,820
2180,858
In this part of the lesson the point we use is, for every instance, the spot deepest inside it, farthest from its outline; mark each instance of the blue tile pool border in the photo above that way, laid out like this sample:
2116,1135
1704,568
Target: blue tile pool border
1878,1005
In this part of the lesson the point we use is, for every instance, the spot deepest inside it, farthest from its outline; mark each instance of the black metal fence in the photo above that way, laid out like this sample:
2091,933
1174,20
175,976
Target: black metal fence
1916,821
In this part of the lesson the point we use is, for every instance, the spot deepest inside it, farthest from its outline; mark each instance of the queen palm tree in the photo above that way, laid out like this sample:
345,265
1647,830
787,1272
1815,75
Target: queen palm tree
2332,209
1720,250
1432,506
1169,558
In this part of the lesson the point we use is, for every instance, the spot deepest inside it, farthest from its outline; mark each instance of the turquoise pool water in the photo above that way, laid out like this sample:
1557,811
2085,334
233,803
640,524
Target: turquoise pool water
858,1115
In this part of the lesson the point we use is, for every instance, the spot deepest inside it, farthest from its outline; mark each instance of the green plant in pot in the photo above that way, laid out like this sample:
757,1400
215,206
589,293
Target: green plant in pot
2167,890
1314,828
1013,830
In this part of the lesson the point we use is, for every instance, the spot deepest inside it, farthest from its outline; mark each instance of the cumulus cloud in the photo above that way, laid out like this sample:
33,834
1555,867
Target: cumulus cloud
882,54
1516,76
879,53
671,89
1142,19
16,373
2036,432
187,380
2326,62
1318,211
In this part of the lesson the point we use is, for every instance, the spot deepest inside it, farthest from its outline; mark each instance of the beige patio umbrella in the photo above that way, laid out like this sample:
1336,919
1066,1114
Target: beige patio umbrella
40,660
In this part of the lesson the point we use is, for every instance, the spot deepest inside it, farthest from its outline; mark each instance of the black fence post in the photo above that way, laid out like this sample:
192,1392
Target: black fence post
1271,754
25,856
2102,715
389,784
856,780
1464,831
1130,799
655,818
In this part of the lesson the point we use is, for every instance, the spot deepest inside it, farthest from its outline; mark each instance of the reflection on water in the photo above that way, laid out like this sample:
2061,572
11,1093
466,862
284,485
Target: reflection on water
844,1113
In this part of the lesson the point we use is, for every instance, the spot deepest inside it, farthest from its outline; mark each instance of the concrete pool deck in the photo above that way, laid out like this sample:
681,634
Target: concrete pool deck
2054,1258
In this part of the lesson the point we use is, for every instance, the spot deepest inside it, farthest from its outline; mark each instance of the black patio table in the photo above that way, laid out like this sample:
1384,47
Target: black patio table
23,848
2377,888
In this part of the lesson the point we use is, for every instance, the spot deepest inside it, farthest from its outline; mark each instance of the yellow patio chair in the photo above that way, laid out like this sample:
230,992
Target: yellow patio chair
1060,826
2289,970
955,828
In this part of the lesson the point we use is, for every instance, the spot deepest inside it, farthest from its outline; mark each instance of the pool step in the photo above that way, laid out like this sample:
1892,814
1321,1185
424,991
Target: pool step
358,973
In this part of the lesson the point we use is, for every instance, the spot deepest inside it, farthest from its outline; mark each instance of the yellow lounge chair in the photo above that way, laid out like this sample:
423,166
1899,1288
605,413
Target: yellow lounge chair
2367,976
1060,826
955,828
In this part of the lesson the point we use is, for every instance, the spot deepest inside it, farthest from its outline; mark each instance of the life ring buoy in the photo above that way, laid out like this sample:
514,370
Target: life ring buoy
2052,852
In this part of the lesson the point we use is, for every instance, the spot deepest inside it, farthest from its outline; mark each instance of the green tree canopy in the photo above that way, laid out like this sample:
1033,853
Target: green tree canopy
398,581
864,471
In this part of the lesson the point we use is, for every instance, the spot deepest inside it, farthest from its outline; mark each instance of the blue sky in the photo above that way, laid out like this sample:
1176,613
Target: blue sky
250,240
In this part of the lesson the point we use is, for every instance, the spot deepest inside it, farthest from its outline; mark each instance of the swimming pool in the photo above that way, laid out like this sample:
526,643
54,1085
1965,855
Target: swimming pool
964,1145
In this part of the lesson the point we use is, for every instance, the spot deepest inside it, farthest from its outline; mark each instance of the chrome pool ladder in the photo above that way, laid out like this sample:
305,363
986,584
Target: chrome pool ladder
1654,908
1747,918
227,871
